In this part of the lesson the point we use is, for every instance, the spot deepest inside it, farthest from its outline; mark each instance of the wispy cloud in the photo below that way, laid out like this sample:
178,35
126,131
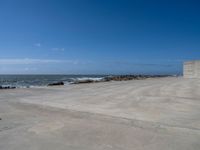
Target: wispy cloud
37,44
26,61
30,69
58,49
141,64
144,64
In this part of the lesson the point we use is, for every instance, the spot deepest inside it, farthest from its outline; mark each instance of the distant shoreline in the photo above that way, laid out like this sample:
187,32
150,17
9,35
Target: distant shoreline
61,80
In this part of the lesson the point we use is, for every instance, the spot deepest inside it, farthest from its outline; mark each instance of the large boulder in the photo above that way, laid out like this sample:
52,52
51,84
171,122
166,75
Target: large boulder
7,87
56,83
83,81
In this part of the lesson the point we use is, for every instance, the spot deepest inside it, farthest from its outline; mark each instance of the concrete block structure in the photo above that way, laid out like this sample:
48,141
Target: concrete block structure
191,69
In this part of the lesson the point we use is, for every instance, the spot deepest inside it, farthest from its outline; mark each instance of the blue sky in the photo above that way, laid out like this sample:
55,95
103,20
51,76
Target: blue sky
98,36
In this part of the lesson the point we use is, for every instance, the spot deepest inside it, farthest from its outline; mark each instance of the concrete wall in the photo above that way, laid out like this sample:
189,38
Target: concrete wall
191,69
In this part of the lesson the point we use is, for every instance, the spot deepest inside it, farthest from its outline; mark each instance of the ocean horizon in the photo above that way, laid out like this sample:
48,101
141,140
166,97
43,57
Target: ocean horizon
36,80
32,80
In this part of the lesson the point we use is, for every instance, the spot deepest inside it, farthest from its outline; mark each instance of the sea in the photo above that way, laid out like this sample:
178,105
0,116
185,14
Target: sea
27,81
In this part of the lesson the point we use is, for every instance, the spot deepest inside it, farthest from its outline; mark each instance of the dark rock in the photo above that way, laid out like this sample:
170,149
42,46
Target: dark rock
7,87
124,78
83,81
56,83
120,78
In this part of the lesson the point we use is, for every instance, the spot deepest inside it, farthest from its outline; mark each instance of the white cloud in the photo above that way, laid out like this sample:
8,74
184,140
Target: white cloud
30,69
37,44
27,61
58,49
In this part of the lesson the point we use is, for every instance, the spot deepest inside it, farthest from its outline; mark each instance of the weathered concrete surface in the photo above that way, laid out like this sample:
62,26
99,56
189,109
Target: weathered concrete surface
191,69
148,114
